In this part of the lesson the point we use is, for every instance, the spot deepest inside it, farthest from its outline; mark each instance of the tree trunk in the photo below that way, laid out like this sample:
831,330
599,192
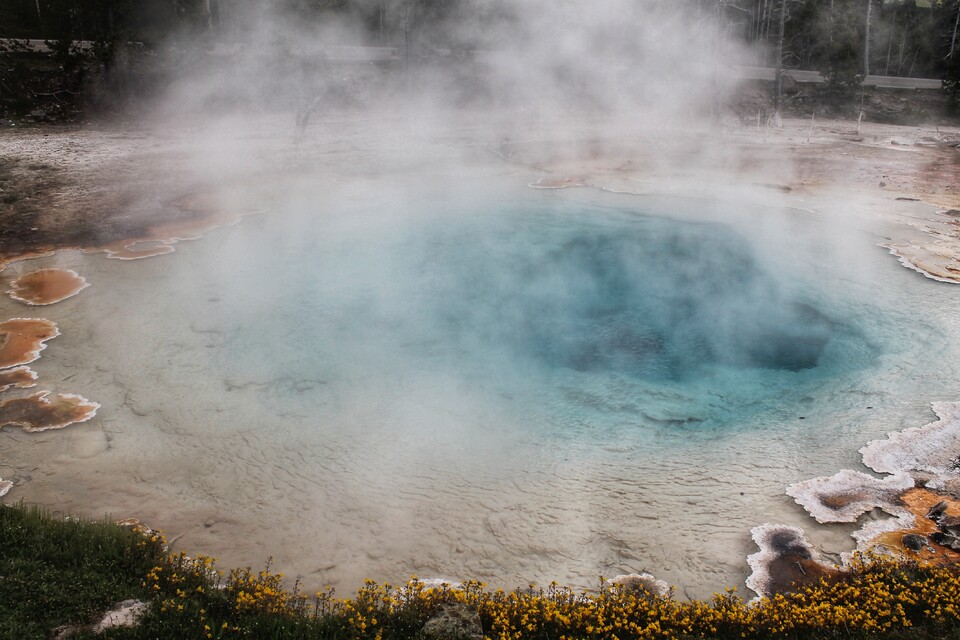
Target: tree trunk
778,93
866,41
406,43
766,28
380,17
953,40
893,23
903,44
910,73
832,21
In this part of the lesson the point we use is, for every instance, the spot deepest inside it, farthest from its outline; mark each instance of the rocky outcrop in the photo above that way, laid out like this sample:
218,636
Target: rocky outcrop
123,614
454,622
641,584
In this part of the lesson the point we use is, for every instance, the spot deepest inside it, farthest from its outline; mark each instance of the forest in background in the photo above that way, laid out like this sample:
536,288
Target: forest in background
843,39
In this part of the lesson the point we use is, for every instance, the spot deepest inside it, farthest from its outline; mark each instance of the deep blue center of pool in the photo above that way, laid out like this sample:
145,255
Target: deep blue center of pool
647,296
574,314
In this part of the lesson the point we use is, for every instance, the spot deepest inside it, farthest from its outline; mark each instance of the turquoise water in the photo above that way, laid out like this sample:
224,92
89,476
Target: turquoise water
473,379
583,315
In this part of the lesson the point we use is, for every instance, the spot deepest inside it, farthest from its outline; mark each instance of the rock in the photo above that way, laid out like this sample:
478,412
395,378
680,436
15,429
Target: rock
454,622
641,583
936,510
124,614
952,486
949,524
64,632
914,542
946,539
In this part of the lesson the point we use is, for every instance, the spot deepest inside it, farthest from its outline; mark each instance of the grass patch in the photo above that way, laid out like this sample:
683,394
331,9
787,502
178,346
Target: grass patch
55,572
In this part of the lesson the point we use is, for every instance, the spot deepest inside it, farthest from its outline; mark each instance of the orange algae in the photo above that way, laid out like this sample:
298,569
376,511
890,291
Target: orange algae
208,214
22,340
47,286
919,502
38,413
20,377
158,239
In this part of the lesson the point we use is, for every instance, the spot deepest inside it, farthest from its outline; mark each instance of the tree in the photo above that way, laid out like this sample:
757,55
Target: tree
953,38
778,93
866,40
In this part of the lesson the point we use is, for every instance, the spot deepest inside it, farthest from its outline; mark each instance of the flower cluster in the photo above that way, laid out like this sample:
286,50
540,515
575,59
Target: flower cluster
263,592
876,595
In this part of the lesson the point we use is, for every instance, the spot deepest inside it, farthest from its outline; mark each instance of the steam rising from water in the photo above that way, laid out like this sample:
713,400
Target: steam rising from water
466,378
519,60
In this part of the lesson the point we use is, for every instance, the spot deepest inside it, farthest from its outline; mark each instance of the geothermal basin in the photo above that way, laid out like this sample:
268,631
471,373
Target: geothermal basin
465,377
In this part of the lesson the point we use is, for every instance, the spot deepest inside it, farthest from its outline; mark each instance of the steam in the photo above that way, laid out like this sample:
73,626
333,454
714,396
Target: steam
434,368
524,60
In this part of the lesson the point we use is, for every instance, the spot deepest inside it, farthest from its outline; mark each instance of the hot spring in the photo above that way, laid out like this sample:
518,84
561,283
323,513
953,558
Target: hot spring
468,378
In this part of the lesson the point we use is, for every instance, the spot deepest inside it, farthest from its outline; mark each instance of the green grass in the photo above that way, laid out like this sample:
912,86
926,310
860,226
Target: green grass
55,572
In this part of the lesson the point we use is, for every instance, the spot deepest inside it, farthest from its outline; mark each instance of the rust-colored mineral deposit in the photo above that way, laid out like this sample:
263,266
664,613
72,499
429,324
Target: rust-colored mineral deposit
38,412
47,286
919,503
22,340
159,239
20,377
786,561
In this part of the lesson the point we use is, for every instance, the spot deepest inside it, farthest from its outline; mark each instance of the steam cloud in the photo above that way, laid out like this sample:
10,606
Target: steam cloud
529,59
